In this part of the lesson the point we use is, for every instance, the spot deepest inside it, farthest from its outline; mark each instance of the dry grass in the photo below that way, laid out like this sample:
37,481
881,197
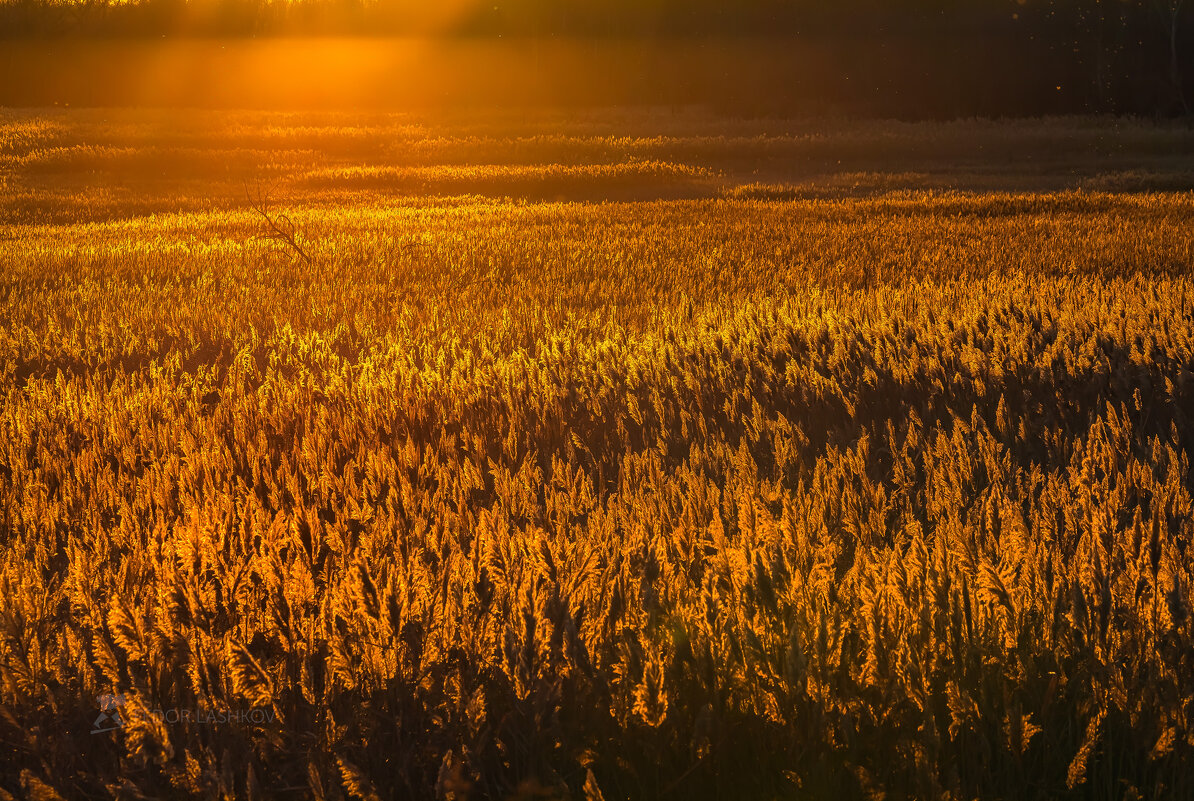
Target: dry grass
754,494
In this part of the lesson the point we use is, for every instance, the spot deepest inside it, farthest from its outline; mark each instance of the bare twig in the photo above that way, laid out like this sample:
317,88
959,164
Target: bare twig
281,227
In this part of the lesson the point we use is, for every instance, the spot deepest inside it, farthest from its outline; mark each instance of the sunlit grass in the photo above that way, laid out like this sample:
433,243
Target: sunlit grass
825,481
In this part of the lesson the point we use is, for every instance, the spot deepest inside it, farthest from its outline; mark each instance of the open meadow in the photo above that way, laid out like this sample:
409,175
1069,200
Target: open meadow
594,454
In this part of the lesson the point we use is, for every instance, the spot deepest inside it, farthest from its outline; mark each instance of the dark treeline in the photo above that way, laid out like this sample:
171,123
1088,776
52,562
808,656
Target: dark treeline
507,17
1121,56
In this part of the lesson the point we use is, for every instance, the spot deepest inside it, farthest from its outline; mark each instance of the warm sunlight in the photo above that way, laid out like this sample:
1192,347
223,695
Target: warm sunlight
597,399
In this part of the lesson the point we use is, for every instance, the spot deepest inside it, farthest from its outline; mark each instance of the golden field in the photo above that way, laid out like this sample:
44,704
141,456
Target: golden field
595,455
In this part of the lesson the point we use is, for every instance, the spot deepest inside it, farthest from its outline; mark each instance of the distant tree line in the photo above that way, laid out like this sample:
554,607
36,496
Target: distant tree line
1124,56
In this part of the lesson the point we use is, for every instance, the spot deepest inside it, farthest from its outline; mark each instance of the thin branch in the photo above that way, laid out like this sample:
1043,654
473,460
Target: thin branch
281,227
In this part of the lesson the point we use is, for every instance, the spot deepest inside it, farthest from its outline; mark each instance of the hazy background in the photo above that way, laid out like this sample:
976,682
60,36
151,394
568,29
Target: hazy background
903,58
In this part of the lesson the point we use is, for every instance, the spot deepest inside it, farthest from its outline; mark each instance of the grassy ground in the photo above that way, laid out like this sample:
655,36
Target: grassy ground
622,455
